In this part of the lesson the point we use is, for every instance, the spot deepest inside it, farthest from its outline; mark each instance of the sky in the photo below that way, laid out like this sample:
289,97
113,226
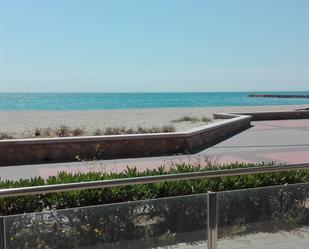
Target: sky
154,45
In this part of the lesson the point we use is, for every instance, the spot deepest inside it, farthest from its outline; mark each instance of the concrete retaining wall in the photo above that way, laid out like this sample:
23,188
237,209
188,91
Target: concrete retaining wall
281,115
260,116
46,150
30,151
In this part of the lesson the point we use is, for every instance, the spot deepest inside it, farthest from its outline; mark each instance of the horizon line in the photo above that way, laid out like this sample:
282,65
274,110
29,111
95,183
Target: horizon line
142,92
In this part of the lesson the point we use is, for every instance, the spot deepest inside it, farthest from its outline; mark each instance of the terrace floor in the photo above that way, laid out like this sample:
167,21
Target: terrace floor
295,239
284,141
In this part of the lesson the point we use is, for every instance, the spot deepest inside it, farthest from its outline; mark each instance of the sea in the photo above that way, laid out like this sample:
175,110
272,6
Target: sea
106,101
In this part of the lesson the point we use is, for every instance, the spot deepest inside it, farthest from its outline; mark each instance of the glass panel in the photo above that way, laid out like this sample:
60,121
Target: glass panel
272,217
161,223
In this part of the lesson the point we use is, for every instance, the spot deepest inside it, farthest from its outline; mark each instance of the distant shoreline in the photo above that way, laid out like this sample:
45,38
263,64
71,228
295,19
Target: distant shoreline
288,96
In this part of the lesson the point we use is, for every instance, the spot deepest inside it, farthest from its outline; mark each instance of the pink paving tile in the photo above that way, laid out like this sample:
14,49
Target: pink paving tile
140,165
232,159
262,127
109,167
300,123
46,172
288,156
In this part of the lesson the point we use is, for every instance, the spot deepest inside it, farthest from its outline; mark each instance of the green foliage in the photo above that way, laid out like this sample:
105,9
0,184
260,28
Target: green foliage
137,192
152,215
139,130
4,136
66,131
205,119
192,119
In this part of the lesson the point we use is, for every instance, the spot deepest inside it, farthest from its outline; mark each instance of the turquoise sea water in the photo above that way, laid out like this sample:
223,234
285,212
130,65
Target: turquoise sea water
97,101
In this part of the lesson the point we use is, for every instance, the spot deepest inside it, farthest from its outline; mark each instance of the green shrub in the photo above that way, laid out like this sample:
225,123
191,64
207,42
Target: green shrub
63,131
205,119
153,222
139,130
43,132
4,136
17,205
78,132
98,132
66,131
192,119
186,119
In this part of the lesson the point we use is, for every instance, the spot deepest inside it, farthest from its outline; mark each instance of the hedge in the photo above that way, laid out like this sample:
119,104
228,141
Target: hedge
154,221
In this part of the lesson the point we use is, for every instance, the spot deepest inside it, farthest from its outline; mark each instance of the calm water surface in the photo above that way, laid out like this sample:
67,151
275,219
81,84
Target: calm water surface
97,101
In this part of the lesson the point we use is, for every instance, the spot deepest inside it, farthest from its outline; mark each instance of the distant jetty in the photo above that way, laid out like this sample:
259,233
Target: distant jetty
290,96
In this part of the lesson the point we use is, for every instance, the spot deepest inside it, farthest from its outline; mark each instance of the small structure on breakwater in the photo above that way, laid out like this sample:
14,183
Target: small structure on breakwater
278,96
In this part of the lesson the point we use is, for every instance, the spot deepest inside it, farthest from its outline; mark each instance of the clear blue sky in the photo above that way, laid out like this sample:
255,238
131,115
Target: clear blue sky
154,45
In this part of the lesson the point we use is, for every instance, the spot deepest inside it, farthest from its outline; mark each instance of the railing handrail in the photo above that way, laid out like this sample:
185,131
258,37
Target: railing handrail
45,189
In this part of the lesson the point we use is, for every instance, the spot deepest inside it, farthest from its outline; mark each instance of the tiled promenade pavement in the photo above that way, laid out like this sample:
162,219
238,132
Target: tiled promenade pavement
295,239
285,141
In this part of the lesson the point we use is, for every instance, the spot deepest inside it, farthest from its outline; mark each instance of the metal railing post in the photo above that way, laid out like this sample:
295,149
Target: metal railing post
2,234
212,217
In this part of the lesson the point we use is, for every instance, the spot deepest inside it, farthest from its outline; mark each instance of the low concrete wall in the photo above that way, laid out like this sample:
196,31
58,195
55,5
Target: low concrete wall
47,150
282,115
260,116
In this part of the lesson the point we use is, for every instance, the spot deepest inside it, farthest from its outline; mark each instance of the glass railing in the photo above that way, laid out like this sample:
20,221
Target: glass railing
270,217
159,223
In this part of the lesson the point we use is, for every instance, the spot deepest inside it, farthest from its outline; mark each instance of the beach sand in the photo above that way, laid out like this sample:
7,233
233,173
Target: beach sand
18,123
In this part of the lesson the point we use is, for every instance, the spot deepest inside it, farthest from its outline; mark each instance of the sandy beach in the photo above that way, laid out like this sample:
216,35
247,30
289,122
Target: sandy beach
21,122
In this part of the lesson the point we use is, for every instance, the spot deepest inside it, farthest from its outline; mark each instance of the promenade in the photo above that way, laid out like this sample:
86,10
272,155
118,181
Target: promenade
282,141
294,239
